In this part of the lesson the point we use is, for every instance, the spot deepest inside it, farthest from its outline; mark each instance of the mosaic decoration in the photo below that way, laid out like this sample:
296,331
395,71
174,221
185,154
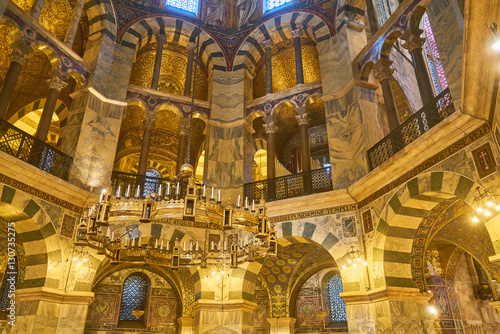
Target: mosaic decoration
283,64
104,308
349,227
271,4
163,311
367,221
68,226
484,160
135,289
337,304
187,5
431,50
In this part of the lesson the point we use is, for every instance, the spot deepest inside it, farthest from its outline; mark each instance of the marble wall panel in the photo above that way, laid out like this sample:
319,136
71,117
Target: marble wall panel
225,159
91,137
352,124
228,95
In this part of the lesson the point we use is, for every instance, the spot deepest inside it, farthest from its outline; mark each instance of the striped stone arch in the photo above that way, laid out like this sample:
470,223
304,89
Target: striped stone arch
402,216
38,235
259,144
152,164
61,111
101,18
279,29
142,31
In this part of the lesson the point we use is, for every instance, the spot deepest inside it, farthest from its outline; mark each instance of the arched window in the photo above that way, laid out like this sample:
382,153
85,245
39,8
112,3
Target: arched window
187,5
134,297
153,180
433,60
337,304
271,4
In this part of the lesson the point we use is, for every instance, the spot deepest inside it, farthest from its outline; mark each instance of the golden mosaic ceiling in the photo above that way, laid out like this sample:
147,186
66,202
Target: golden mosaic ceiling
283,63
172,72
167,119
5,50
315,109
282,272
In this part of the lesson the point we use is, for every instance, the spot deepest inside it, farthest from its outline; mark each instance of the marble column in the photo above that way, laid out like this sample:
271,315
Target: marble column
56,84
303,120
268,43
73,24
299,70
384,74
160,43
183,141
48,310
270,128
36,9
149,123
18,58
414,45
189,68
282,325
234,316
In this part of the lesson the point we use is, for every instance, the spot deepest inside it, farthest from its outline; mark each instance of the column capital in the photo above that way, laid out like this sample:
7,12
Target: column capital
161,38
270,128
297,32
185,321
382,70
191,46
302,119
20,53
413,41
183,126
267,43
56,82
149,123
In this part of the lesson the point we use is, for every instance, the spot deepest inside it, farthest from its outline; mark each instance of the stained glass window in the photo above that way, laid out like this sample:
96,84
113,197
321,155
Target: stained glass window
9,280
382,11
187,5
153,179
135,291
271,4
337,304
433,60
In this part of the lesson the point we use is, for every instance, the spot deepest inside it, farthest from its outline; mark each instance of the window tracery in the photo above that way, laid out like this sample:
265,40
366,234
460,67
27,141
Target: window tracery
271,4
338,311
135,291
433,60
187,5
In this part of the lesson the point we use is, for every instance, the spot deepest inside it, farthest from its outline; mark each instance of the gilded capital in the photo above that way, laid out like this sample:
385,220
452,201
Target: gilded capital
382,70
302,119
270,128
413,42
297,33
56,82
19,56
267,43
191,46
149,123
161,38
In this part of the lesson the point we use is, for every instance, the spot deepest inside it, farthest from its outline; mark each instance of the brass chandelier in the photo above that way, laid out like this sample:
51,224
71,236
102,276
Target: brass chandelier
185,203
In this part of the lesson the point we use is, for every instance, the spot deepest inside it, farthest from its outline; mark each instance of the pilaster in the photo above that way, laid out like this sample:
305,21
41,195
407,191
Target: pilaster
235,316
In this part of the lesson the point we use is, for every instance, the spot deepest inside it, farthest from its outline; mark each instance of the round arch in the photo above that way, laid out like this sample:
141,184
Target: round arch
403,214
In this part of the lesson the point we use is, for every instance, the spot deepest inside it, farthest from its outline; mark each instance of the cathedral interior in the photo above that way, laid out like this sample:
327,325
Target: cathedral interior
249,166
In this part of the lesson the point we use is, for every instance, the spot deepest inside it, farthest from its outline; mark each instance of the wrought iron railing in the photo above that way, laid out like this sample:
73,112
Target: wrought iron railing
419,123
33,151
316,181
120,183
